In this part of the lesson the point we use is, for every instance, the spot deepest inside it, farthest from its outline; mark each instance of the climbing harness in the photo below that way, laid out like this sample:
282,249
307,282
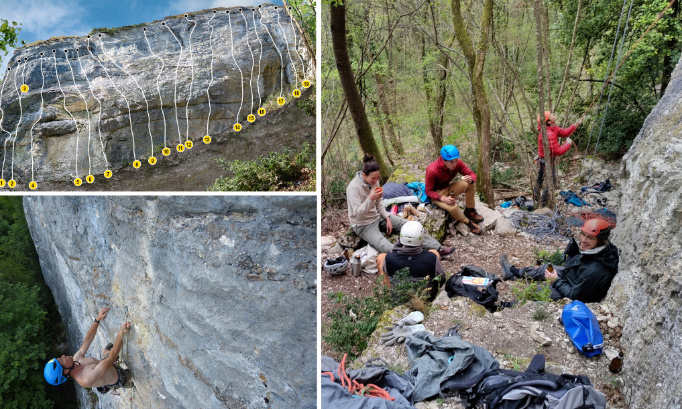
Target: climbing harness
355,387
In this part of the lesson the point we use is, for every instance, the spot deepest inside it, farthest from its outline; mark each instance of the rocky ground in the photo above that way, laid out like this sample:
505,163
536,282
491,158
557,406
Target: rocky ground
513,335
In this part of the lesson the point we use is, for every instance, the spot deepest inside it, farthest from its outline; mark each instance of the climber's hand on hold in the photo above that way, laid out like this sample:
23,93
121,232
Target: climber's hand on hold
102,313
124,328
578,122
569,140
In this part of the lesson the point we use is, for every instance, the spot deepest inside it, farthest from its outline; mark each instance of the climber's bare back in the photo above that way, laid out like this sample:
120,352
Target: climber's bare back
87,376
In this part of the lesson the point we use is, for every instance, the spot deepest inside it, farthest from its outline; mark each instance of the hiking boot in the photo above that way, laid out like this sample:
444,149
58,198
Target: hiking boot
473,215
476,229
506,268
444,251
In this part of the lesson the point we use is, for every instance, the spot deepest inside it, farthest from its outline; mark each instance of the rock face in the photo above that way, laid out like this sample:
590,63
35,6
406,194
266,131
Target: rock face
648,286
221,293
119,95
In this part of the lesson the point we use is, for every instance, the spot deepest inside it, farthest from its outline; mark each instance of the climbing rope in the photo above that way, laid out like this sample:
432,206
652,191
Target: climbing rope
540,226
355,387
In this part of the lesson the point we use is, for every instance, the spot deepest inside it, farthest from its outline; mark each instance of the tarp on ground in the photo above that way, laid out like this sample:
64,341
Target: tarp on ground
430,368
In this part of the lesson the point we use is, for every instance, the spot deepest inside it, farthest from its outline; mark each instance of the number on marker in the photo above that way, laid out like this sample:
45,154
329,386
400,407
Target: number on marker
77,181
152,160
189,144
90,179
107,174
281,100
306,84
296,93
261,111
237,127
12,183
33,185
166,151
137,164
251,118
180,147
207,139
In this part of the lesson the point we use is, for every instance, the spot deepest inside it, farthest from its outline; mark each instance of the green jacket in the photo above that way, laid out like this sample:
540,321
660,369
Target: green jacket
587,277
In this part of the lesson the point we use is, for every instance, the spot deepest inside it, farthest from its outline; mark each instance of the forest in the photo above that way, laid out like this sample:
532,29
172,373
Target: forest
477,73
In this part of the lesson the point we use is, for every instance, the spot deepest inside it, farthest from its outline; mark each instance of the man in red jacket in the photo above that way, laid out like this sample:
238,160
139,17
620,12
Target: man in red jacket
443,191
553,134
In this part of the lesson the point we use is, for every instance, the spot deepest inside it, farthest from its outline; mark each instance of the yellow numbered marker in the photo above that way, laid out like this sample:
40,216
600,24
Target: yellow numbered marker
166,151
12,183
2,182
306,84
107,173
180,147
251,118
77,181
89,178
24,88
296,93
152,160
207,139
237,127
33,185
261,111
137,164
281,100
189,144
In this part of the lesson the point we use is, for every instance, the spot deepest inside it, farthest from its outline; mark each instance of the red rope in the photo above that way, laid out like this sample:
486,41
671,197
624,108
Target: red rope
355,387
591,215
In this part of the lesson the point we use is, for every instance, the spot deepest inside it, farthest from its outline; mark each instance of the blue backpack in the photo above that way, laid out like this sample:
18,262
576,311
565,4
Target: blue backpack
582,327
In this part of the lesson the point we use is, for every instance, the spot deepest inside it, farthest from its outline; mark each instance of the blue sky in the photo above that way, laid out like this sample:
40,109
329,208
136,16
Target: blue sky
42,19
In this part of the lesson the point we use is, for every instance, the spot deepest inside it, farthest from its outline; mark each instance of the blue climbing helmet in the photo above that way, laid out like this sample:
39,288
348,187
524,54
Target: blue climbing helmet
449,152
54,372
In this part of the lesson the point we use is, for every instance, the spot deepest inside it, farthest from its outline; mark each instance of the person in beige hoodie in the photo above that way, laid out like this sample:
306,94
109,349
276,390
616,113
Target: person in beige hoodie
368,218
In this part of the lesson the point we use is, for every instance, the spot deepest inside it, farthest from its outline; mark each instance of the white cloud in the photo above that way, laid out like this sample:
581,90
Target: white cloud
42,19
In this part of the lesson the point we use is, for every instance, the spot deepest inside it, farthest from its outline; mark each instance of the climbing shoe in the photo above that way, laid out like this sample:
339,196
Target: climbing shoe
473,215
506,268
444,251
476,229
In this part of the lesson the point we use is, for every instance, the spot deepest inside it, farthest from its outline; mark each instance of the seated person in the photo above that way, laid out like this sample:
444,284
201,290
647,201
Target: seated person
368,217
588,269
441,188
408,252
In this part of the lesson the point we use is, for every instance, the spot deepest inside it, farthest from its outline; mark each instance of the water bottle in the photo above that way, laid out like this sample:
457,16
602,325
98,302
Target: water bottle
356,266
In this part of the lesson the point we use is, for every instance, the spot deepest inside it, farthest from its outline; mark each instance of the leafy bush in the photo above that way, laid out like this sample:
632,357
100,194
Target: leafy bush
348,335
542,256
284,170
532,290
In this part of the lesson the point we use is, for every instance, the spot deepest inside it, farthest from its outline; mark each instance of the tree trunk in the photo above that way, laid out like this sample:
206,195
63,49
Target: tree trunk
350,89
383,102
476,60
436,103
549,161
380,122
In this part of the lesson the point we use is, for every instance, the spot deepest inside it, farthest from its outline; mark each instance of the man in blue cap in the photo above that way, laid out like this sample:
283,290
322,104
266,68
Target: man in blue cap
443,190
91,372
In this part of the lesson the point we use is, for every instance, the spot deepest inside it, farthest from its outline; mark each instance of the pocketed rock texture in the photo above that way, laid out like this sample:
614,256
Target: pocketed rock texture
221,294
146,74
648,287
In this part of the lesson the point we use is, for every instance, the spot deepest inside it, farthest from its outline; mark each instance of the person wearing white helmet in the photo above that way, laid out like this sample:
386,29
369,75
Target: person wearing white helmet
91,372
408,253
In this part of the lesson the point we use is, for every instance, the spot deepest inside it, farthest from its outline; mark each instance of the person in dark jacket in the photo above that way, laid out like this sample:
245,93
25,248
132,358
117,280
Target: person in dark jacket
589,266
408,253
556,148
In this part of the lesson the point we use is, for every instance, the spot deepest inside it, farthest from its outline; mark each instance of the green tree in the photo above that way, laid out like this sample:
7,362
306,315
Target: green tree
9,35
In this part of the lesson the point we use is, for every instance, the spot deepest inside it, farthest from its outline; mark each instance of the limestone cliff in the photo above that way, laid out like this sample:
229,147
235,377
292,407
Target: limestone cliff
124,94
221,293
648,287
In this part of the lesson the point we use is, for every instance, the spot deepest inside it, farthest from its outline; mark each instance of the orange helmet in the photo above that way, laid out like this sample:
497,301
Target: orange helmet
548,115
599,228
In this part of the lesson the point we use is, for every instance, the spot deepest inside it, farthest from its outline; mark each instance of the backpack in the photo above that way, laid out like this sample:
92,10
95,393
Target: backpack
582,327
533,389
485,295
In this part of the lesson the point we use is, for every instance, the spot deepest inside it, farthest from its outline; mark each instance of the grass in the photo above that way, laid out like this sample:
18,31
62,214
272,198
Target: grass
531,290
540,314
543,256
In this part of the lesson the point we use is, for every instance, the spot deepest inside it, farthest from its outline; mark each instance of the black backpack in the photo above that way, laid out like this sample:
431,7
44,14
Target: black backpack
483,295
532,389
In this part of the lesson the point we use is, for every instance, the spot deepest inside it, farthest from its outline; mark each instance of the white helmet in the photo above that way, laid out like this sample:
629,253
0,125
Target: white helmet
412,234
336,266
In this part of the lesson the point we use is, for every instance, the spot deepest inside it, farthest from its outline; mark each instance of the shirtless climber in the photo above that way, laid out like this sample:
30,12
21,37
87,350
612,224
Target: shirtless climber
91,372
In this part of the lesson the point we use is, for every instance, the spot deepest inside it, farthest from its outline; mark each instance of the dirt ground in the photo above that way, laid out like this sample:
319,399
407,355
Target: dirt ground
512,335
196,169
